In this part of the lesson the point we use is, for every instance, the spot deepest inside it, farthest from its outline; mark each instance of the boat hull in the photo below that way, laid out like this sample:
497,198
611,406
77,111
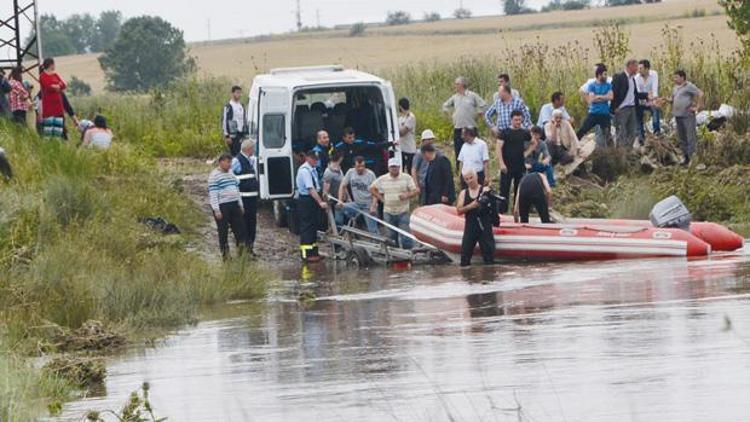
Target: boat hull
441,226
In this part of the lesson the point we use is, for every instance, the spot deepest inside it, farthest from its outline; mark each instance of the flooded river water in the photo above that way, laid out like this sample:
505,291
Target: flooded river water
654,340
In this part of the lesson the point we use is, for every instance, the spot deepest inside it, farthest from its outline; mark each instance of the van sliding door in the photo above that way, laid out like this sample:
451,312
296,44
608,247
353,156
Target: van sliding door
274,145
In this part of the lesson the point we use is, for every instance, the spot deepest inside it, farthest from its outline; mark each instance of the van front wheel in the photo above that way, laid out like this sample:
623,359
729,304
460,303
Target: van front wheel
279,213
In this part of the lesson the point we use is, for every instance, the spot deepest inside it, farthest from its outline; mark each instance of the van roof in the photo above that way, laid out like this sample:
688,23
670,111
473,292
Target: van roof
314,75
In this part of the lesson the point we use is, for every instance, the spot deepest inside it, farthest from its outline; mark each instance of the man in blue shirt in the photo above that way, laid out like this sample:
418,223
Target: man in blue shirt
599,96
309,205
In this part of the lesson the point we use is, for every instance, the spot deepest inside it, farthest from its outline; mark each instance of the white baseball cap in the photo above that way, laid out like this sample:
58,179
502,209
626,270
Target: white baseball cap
394,162
427,134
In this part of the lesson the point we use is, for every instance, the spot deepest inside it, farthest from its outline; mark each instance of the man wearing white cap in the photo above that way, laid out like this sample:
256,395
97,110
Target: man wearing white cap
394,190
420,165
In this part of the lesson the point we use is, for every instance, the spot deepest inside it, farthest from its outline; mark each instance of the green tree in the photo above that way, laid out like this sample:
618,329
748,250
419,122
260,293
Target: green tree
81,31
398,17
738,12
107,27
515,7
148,52
55,41
78,88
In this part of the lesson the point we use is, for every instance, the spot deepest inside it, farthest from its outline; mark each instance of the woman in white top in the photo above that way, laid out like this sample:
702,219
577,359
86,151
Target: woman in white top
99,136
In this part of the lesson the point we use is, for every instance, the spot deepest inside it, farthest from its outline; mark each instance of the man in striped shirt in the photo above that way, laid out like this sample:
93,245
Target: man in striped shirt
226,204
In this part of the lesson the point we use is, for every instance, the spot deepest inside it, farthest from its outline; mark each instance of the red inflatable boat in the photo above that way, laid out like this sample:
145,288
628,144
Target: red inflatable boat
440,225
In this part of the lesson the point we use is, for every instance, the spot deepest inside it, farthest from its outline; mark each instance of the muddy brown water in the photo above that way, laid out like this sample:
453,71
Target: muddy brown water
648,340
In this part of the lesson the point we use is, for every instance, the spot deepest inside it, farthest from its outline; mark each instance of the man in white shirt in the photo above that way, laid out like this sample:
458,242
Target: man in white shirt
233,121
557,103
647,82
474,155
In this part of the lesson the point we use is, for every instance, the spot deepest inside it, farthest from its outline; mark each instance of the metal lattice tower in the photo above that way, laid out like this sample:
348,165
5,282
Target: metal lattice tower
20,43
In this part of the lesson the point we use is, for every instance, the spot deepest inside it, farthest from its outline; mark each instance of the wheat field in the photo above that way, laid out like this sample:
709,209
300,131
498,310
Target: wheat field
387,47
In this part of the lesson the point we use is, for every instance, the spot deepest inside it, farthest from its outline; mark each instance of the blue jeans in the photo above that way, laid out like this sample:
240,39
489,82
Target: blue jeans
548,171
655,121
402,222
350,211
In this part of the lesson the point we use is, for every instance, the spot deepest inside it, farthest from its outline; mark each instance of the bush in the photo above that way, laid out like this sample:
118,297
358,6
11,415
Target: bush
358,29
462,13
431,17
78,88
398,17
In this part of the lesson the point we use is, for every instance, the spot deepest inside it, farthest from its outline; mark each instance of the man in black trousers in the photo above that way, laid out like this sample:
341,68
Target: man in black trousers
623,104
244,166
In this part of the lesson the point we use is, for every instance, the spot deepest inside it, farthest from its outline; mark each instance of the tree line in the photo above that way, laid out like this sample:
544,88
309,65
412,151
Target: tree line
79,33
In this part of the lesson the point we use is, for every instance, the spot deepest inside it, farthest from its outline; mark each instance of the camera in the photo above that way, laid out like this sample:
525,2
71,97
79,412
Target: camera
492,205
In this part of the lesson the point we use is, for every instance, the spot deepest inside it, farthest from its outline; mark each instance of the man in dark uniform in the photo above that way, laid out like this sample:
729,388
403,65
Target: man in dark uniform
374,152
309,205
323,152
244,166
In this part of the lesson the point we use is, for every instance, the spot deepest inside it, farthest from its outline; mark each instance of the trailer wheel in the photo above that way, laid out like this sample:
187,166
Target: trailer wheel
279,213
358,257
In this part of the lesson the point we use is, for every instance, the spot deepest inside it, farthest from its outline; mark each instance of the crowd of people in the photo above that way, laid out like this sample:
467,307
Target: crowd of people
50,106
338,177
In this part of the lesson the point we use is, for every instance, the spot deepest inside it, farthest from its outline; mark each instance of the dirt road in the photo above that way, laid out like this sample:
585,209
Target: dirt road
273,245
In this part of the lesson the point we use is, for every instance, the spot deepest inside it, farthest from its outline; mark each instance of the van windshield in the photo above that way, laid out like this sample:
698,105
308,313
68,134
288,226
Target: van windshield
334,109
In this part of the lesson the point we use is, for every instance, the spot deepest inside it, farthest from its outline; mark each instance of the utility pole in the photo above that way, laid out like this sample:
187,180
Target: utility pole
317,17
24,19
299,16
208,28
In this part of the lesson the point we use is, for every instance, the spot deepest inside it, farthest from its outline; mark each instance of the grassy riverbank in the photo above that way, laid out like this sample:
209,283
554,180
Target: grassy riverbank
72,250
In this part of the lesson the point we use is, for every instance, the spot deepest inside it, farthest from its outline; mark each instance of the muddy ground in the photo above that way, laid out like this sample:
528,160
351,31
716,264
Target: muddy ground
273,245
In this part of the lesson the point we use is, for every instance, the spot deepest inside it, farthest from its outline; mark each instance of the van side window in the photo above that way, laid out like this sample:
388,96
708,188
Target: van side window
273,131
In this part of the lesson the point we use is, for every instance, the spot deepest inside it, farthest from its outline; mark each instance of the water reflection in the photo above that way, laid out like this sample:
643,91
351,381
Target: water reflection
639,340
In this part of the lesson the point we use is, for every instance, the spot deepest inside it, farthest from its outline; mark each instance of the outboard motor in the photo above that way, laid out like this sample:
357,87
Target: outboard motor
671,213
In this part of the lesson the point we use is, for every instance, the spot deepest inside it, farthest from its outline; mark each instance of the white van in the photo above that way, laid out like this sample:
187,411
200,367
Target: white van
288,106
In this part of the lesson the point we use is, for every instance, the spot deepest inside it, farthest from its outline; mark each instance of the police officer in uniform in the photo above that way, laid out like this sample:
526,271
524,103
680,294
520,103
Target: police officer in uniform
244,166
323,151
309,205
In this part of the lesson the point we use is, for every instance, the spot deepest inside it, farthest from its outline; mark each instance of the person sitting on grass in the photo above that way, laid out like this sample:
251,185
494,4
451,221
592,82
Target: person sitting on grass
562,141
99,136
537,155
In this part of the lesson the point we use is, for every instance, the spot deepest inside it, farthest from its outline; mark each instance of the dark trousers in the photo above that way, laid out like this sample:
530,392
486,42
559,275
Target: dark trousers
231,218
234,149
19,116
407,159
309,219
540,205
476,230
458,142
480,179
604,121
511,176
250,218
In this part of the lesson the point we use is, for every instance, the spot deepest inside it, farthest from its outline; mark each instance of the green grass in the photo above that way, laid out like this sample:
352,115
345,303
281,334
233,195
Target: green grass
72,250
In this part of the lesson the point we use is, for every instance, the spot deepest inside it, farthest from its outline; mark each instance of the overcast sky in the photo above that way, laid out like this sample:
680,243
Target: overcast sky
234,18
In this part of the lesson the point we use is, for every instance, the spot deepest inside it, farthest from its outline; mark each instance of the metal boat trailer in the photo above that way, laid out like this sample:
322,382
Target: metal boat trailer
360,248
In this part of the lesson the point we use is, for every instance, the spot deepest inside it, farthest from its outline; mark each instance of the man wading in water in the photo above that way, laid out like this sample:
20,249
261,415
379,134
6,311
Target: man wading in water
478,226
